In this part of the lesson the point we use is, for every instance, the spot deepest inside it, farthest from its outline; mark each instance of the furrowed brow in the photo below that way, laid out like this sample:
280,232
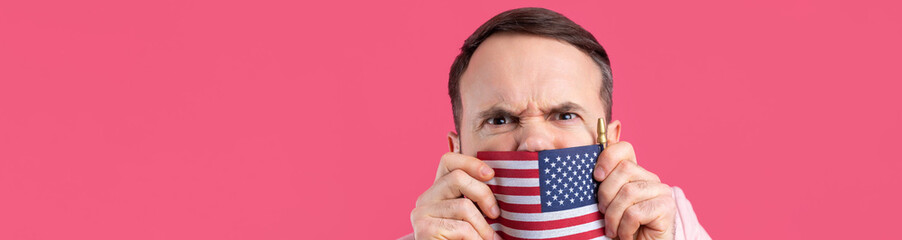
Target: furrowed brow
494,112
567,107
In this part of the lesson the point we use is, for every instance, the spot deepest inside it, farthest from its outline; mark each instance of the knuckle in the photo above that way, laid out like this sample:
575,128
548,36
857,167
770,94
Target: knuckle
632,189
632,214
625,146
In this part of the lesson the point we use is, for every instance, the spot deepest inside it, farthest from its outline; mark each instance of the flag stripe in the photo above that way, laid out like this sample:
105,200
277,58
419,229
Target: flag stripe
520,208
518,199
525,156
513,182
596,216
551,216
583,231
512,164
580,236
519,191
517,173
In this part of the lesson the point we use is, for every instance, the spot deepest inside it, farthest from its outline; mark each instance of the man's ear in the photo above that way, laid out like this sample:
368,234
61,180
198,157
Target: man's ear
613,131
453,142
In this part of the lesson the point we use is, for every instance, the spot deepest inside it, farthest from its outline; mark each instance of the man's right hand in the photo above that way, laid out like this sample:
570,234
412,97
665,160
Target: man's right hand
442,212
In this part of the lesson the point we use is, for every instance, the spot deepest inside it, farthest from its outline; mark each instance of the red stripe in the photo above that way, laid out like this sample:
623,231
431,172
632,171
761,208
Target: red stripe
513,156
520,208
547,225
583,235
516,191
517,173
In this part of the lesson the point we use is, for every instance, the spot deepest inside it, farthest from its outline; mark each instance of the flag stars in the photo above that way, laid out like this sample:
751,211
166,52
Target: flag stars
587,155
546,159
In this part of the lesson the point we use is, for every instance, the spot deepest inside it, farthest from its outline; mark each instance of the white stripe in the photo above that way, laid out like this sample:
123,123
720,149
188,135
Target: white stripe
550,216
533,199
514,182
602,238
551,233
504,164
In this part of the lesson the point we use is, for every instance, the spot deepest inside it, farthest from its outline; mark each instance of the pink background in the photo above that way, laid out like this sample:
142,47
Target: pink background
286,120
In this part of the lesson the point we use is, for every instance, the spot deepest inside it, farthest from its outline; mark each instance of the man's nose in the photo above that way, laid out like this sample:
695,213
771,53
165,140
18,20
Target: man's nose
535,137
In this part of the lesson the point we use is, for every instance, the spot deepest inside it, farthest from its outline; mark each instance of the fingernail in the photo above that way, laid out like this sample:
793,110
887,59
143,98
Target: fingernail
599,173
496,211
486,171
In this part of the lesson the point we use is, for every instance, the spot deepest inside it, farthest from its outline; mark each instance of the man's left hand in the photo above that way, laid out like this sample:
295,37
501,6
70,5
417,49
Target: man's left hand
636,205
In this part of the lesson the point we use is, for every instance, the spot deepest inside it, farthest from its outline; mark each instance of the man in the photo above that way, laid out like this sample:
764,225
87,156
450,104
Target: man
530,79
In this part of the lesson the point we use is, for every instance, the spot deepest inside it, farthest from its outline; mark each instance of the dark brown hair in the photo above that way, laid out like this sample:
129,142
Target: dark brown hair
535,21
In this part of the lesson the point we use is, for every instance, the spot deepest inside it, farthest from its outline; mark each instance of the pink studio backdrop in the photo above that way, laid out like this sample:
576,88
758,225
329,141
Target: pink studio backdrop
299,120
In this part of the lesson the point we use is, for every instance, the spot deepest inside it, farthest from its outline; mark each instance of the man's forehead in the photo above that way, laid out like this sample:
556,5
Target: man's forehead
513,70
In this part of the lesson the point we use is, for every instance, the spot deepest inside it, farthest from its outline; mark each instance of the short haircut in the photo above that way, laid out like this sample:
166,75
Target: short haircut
534,21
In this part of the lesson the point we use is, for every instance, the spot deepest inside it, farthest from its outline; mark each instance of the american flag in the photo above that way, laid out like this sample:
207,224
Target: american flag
547,194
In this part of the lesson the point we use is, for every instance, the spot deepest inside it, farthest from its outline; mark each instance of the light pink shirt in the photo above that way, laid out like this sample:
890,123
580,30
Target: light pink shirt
686,224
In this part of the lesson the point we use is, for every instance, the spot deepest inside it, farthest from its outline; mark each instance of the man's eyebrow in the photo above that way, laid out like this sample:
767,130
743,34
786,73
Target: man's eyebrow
567,107
494,112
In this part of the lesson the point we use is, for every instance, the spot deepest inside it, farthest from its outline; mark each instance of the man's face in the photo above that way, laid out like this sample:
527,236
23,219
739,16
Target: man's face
528,93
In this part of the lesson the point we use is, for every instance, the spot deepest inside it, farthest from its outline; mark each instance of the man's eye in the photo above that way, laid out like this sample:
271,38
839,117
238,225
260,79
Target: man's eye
498,121
567,116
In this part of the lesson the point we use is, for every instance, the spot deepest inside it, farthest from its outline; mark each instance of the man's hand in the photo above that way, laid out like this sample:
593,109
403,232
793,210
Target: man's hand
442,213
636,205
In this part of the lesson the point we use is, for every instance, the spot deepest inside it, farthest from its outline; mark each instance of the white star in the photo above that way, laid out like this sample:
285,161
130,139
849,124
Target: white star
559,180
566,195
595,154
553,164
579,166
570,179
554,197
547,170
572,200
574,162
568,157
587,155
569,168
553,175
558,158
565,164
565,184
547,181
548,193
554,186
577,156
546,159
580,199
558,169
561,202
561,191
549,203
